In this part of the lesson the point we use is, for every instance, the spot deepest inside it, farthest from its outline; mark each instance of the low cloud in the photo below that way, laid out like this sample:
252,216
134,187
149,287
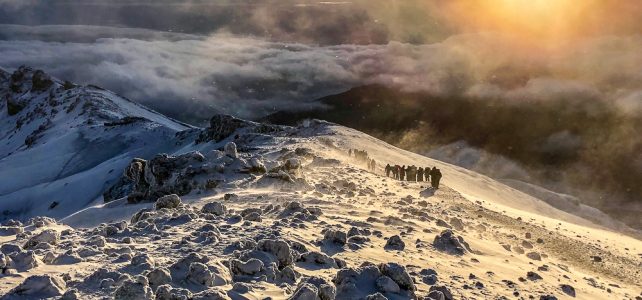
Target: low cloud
193,76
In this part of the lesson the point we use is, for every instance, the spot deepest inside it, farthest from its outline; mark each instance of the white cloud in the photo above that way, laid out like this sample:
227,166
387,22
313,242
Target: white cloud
251,77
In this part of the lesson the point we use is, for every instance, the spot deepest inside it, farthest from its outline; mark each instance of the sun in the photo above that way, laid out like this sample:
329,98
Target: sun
536,18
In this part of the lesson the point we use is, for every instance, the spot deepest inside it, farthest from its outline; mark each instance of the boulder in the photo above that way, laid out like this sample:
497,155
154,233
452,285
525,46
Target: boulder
48,236
318,258
279,248
10,230
568,290
443,290
71,294
230,150
306,291
134,290
395,243
199,273
215,208
399,274
251,267
8,248
169,201
534,256
335,237
158,277
449,243
38,287
167,292
376,296
40,81
24,260
385,284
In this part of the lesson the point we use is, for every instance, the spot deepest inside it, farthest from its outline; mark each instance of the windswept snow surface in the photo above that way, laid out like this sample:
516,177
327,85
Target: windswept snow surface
265,211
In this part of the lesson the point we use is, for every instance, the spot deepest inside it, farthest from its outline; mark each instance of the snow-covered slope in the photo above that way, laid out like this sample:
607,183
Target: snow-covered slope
64,143
284,212
244,210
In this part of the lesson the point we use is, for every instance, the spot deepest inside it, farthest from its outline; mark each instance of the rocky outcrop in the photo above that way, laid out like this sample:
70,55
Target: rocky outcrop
223,126
148,180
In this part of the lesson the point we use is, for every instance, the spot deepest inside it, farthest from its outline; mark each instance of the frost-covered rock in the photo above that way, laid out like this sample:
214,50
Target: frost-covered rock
134,290
38,287
444,291
210,294
140,215
143,261
4,261
10,230
159,276
324,289
230,150
335,236
385,284
399,274
318,258
356,283
41,221
376,296
306,291
24,260
167,292
215,208
199,273
257,166
447,242
40,81
253,217
169,201
251,267
71,294
181,268
68,258
279,248
48,236
293,164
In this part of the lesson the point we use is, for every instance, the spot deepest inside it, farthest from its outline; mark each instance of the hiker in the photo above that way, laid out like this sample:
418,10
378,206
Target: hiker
427,174
402,172
420,174
350,153
395,171
373,165
387,168
435,176
410,174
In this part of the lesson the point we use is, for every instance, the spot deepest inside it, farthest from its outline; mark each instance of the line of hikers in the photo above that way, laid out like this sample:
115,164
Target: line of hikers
361,156
412,173
409,173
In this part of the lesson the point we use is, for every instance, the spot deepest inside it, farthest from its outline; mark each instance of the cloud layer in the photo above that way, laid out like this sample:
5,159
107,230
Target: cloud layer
252,77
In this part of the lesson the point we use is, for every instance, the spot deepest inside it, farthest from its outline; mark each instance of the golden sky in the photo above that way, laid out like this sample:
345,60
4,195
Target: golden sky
542,20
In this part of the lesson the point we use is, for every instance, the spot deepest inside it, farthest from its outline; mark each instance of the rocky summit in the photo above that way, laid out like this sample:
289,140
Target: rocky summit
105,199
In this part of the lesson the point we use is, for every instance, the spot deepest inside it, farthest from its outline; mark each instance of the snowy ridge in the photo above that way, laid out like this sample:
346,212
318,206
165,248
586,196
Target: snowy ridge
64,143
